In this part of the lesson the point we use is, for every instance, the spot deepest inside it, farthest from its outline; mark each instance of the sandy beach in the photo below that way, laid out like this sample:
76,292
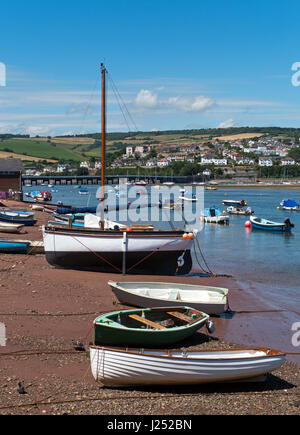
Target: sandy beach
46,309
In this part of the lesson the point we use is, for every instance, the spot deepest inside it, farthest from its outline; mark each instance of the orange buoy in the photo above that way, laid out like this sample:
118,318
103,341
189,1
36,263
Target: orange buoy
248,224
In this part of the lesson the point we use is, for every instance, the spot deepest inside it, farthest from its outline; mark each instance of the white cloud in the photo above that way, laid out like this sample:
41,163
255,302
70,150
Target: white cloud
193,104
226,124
146,99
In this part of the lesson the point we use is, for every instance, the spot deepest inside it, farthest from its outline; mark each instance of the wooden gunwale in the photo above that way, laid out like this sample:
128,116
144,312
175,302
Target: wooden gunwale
268,352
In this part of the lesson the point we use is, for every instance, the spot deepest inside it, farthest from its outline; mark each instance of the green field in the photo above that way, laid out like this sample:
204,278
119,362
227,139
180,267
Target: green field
39,148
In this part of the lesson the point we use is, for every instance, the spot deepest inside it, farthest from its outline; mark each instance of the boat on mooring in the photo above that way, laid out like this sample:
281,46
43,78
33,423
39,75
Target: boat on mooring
147,327
289,205
132,367
238,210
229,202
265,224
214,215
211,300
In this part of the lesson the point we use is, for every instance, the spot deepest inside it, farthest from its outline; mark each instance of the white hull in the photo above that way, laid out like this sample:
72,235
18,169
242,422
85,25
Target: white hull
121,367
211,300
216,219
156,252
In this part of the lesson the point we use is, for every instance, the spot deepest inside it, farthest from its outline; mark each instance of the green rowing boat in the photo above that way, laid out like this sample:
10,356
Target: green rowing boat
148,326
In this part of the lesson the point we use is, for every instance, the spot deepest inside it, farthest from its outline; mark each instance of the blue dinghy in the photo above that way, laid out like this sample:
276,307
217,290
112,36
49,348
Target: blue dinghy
265,224
11,246
17,217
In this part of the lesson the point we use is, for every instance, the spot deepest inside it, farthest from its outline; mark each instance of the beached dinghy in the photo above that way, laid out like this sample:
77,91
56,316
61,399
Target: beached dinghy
211,300
6,227
129,367
265,224
148,326
17,217
11,246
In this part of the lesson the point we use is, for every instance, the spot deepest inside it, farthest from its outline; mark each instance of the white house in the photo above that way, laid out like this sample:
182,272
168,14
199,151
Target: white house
85,164
265,162
213,161
288,161
163,162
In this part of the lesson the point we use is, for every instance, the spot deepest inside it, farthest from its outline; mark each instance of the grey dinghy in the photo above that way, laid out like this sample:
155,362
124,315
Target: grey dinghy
211,300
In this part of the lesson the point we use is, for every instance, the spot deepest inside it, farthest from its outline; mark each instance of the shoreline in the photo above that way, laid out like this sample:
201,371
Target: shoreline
45,309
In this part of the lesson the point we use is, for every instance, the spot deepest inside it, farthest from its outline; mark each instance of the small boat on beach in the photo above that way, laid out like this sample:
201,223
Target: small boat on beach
6,227
17,217
211,300
214,215
130,367
160,326
11,246
265,224
238,210
289,205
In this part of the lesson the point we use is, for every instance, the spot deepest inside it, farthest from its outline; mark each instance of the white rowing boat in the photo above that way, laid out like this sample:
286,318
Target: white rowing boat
127,367
211,300
6,227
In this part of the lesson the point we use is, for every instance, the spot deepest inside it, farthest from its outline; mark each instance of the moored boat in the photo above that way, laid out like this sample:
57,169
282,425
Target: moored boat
289,205
239,210
228,202
265,224
160,326
129,367
211,300
214,215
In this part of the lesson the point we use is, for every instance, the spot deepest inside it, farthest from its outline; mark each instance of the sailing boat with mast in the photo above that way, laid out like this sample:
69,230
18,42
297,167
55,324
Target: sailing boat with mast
134,250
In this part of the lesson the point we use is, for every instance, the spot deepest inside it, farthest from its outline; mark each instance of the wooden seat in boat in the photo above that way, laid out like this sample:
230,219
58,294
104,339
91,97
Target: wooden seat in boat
146,321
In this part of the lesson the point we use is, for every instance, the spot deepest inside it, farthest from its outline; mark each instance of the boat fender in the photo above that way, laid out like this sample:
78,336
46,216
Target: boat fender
188,236
210,326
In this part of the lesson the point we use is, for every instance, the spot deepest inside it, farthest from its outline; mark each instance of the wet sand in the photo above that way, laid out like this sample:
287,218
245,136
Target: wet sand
46,309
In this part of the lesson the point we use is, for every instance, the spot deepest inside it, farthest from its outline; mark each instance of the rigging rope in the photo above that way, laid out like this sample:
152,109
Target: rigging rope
121,102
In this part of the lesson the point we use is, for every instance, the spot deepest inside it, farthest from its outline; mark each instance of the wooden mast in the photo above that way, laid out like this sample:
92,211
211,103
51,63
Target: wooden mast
103,132
103,143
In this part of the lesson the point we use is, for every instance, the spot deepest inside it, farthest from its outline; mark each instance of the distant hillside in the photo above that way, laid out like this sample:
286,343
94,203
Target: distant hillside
83,147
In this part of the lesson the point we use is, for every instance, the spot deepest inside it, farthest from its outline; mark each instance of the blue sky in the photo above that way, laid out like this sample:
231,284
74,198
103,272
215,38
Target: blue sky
176,65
